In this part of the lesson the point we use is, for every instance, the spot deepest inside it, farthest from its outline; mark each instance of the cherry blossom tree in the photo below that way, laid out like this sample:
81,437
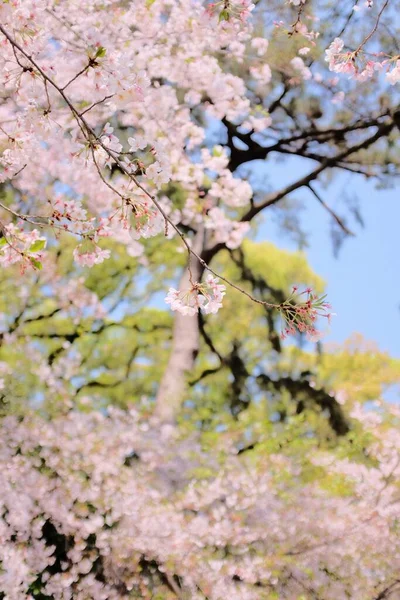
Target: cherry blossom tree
138,141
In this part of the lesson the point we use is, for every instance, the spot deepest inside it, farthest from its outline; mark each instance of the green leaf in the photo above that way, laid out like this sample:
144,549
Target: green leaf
149,3
100,52
3,242
37,246
223,16
35,263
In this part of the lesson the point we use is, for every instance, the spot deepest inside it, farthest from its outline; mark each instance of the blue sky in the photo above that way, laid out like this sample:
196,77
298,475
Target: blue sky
363,281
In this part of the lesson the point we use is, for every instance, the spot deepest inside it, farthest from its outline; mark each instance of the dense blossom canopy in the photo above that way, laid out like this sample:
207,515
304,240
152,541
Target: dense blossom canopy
111,507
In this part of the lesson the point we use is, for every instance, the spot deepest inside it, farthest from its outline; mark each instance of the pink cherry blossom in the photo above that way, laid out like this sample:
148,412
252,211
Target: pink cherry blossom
206,296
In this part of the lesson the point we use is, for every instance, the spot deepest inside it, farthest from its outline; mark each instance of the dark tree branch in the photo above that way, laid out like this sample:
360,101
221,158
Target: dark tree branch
302,390
207,338
382,130
387,591
205,374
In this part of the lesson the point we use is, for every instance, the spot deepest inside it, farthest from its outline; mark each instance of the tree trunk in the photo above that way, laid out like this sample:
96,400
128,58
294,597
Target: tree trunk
185,346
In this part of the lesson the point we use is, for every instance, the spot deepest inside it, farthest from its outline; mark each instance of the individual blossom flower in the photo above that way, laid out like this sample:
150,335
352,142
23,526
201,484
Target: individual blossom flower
141,82
214,295
137,143
332,53
111,142
368,71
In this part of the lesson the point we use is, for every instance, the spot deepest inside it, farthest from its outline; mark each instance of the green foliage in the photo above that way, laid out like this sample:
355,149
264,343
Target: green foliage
37,246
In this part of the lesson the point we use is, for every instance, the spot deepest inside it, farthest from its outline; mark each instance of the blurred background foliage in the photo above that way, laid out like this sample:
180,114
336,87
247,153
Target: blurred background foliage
107,342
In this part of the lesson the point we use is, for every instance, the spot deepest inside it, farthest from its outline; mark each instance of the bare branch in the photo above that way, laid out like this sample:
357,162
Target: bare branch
338,220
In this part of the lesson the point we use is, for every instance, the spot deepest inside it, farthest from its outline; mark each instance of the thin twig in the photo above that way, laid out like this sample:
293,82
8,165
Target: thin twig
75,77
371,33
96,104
338,220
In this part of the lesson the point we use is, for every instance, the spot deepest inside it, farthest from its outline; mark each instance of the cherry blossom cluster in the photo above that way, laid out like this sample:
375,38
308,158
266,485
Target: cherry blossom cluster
89,254
301,311
206,296
231,233
355,65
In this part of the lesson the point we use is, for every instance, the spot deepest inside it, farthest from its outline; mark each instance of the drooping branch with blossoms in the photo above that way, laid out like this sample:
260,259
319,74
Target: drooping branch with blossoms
110,145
